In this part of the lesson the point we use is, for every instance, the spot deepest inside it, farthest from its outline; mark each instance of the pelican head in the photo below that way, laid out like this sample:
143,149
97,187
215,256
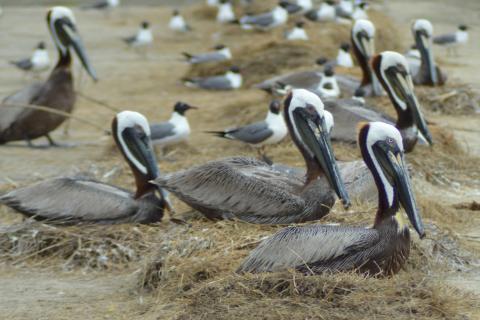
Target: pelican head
394,74
310,127
422,31
63,29
382,150
131,133
363,35
363,41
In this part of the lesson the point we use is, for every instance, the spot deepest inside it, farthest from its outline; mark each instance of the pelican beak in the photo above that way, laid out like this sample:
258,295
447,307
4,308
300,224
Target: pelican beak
392,162
140,146
367,44
402,85
314,134
419,119
76,42
424,45
368,47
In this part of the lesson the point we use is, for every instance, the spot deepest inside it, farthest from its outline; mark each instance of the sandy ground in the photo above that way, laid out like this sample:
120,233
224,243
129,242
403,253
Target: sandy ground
150,86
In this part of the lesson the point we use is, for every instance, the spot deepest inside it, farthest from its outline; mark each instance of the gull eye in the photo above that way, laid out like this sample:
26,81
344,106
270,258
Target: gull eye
390,141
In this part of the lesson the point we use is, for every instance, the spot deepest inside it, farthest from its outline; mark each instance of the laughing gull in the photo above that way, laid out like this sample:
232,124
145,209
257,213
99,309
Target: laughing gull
452,40
143,37
177,22
174,130
326,12
221,53
212,3
274,18
103,5
232,79
225,12
360,11
300,7
38,62
272,130
344,9
297,33
344,59
328,86
428,73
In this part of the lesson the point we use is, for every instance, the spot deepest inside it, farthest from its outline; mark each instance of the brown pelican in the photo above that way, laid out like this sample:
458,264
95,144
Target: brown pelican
392,70
57,92
380,250
428,73
397,82
253,191
323,84
77,199
362,38
295,80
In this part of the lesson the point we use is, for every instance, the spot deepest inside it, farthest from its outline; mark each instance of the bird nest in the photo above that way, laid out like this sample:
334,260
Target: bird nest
451,99
262,56
200,282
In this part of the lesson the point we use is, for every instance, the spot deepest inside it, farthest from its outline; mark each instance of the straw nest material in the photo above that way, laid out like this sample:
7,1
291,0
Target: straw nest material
454,98
195,274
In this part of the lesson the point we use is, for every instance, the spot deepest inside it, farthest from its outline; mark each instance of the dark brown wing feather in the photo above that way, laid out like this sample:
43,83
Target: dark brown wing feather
317,246
237,187
72,199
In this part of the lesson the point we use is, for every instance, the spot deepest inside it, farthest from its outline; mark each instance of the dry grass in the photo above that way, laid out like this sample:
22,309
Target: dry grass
452,99
260,59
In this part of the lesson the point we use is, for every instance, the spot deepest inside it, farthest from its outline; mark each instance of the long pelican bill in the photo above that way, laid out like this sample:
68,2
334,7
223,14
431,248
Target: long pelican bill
367,44
140,146
393,165
402,85
74,39
424,45
314,134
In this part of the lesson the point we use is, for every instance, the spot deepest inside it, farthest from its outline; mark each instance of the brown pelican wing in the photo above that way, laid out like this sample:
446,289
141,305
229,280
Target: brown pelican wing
72,200
315,246
304,79
347,114
237,187
355,174
8,115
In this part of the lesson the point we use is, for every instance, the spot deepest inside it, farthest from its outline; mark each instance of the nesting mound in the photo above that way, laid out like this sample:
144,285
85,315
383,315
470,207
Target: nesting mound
200,286
87,247
453,98
260,60
287,295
